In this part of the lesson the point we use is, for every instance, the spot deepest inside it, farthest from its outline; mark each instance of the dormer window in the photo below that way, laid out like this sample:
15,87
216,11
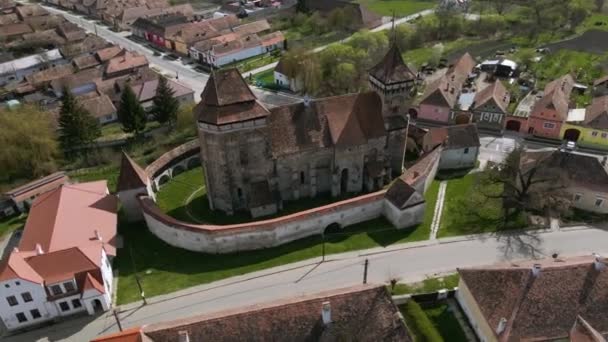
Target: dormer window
69,286
56,290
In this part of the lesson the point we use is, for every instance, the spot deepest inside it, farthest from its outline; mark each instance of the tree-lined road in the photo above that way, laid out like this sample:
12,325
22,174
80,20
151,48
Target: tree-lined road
407,262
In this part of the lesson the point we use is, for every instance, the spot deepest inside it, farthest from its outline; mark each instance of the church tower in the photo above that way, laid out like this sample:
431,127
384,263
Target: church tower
395,82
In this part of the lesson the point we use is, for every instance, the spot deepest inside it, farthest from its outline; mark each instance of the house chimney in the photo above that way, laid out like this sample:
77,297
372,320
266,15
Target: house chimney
97,235
183,336
502,325
15,250
39,250
598,262
452,90
536,270
326,313
306,100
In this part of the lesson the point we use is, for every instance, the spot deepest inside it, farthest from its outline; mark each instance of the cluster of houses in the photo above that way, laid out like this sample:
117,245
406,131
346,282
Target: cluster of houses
214,42
95,71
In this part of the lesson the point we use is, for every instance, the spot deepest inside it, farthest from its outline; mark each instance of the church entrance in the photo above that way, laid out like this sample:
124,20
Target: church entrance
344,181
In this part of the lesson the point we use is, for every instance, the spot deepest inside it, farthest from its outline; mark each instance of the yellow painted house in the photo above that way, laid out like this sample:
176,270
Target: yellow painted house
592,131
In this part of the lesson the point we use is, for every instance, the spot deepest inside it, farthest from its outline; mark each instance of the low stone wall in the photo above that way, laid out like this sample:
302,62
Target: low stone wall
260,234
174,162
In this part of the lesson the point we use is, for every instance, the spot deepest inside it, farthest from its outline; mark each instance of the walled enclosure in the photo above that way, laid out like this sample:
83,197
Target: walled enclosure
281,230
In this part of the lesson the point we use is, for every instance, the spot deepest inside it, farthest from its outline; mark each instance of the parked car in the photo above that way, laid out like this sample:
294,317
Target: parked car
171,57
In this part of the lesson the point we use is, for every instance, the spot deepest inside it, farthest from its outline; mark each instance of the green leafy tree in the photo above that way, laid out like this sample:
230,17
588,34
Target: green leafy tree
29,145
130,113
166,105
77,127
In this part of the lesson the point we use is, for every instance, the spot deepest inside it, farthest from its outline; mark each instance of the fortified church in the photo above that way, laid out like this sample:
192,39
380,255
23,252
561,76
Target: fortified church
255,158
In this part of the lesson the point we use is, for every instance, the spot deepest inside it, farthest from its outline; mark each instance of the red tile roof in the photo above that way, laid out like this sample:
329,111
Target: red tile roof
90,283
63,264
596,115
364,311
128,335
128,61
495,92
15,266
543,306
556,96
583,332
70,216
37,187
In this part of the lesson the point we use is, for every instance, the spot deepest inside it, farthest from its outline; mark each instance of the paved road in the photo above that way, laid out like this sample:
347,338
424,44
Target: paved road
408,262
173,69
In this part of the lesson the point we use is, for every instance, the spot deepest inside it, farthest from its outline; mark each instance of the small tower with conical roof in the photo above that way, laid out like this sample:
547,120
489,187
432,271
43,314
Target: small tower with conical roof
132,182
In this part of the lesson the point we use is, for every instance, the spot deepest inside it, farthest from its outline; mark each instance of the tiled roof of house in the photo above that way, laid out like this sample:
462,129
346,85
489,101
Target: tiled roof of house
392,69
399,193
89,44
131,175
253,27
460,70
596,115
62,264
455,137
556,96
127,61
85,61
14,29
541,305
495,92
442,92
108,53
71,32
127,335
99,106
90,283
45,22
146,91
582,170
583,332
236,45
69,216
208,44
49,74
600,80
37,187
33,10
272,38
7,19
362,313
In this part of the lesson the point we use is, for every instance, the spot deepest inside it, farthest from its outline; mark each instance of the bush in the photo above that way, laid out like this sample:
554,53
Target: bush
419,324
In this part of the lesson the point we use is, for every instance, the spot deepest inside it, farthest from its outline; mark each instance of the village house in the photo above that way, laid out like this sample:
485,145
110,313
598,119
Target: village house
14,31
146,92
155,29
192,33
325,316
336,145
590,129
62,265
17,69
288,79
551,111
559,299
125,64
460,145
585,177
490,107
100,106
21,197
243,48
600,86
441,95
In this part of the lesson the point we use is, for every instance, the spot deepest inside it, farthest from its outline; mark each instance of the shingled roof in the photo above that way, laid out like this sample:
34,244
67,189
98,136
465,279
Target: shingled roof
545,304
454,137
556,96
361,313
227,99
392,69
131,176
494,92
596,115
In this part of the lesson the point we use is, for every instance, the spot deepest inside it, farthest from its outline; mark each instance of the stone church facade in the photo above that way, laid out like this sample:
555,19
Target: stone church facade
255,158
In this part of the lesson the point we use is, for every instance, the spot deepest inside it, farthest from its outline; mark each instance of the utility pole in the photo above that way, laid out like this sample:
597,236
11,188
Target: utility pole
365,271
141,290
323,247
117,319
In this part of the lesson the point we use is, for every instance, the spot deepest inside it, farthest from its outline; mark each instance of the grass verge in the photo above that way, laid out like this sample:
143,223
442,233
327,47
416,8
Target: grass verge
428,285
400,8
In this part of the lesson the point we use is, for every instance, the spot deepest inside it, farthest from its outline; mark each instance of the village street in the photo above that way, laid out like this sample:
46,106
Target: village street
407,262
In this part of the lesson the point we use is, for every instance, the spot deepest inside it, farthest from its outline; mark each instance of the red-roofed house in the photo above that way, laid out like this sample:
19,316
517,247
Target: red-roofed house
551,111
62,264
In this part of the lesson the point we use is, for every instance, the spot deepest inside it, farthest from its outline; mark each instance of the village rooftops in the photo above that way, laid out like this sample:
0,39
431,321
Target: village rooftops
455,137
30,61
541,300
442,92
99,106
596,114
37,187
364,311
146,91
495,92
556,96
126,62
392,69
16,29
132,176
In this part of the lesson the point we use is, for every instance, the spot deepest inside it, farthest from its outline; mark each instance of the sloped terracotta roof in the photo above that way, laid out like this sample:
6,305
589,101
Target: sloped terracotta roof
131,176
362,313
455,137
62,264
14,266
273,38
392,69
69,216
90,283
545,306
146,91
253,27
556,95
460,70
596,115
494,92
33,10
99,106
14,29
442,92
37,187
600,80
40,77
128,335
399,194
128,61
85,62
108,53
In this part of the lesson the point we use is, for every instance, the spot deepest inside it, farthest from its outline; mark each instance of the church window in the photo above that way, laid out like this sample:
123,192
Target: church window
302,178
239,193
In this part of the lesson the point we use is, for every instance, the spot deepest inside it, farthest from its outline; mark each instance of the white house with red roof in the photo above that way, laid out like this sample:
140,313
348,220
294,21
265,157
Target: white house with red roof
62,265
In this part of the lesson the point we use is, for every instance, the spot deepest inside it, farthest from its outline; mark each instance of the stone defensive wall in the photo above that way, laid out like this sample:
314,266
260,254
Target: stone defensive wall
253,235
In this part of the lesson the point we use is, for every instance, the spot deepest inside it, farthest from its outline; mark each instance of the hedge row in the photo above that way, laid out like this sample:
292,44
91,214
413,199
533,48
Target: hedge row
419,324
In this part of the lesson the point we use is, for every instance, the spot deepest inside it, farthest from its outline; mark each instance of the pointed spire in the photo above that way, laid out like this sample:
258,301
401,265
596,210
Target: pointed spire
132,176
393,31
392,68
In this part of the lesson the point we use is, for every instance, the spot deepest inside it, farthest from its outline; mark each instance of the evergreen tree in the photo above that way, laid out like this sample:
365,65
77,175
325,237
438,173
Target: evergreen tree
166,105
77,127
301,6
130,112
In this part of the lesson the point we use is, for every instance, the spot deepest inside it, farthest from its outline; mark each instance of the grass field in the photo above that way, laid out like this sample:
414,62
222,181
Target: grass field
10,224
446,323
467,211
160,274
400,8
113,131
